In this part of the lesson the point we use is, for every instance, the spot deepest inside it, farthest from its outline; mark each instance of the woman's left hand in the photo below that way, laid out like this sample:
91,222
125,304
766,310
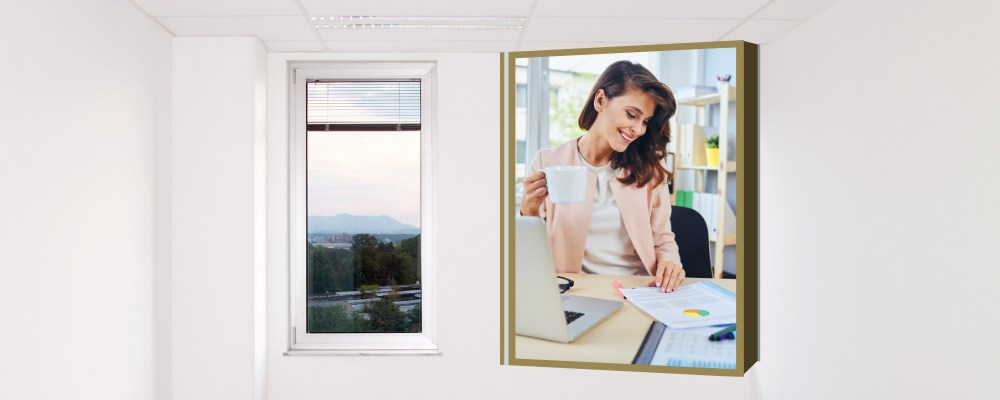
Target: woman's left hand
669,276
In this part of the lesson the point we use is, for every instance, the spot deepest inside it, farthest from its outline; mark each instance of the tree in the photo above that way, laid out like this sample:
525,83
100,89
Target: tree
322,272
368,290
410,247
408,253
564,110
343,270
409,270
390,267
329,319
336,319
386,317
363,240
309,269
365,250
413,319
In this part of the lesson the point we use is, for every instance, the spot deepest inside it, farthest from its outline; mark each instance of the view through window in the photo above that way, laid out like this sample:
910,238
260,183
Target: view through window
363,206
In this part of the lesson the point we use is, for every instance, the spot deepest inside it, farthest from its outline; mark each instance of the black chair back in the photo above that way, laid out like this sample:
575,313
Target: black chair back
691,234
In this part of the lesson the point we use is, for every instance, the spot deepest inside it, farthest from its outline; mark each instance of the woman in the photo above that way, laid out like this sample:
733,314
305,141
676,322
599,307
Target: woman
623,226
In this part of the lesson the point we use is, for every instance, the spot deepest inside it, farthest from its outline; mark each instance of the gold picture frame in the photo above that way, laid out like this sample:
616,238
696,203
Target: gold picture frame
747,186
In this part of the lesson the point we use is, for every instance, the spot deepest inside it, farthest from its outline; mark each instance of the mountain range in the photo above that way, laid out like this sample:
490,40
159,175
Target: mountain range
353,224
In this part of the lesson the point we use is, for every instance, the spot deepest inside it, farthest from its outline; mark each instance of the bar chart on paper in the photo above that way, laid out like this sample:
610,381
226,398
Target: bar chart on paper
691,348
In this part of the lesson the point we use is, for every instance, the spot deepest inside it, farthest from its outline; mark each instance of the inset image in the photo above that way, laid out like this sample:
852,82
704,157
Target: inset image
631,209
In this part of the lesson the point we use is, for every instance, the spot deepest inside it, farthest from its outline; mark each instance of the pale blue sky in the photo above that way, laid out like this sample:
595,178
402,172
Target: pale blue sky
365,173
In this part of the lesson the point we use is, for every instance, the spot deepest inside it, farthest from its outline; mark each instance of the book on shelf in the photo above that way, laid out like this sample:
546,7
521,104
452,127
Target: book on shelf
684,198
692,142
707,204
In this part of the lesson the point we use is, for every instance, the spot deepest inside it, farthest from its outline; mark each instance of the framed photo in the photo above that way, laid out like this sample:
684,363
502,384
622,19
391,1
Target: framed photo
629,217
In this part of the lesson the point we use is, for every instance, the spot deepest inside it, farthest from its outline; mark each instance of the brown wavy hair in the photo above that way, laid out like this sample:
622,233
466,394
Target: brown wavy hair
642,158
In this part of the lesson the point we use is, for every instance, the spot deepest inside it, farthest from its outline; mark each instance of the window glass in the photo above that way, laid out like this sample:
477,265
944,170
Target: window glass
363,206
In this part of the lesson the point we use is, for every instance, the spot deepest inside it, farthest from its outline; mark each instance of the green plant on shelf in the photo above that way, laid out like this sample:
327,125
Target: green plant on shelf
712,143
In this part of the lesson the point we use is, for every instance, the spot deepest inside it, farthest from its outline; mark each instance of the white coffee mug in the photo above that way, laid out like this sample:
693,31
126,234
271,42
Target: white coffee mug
566,184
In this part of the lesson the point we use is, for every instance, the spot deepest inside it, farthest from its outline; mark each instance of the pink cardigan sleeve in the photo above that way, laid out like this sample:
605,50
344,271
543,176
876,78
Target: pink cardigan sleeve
659,219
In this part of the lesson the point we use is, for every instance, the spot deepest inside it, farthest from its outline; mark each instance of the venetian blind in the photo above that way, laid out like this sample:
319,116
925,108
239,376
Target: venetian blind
362,105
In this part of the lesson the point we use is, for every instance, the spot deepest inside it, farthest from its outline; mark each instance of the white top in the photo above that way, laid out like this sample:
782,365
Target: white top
609,249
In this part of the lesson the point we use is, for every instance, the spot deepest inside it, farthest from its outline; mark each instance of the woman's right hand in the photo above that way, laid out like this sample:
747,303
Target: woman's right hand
535,193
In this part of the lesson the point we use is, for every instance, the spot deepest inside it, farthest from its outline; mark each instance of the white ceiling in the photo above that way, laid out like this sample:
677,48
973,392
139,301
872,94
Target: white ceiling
285,25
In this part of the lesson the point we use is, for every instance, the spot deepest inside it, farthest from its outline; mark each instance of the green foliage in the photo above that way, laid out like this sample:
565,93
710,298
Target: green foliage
409,247
390,267
566,100
369,261
329,270
712,143
564,113
413,319
409,270
386,317
322,279
408,253
363,240
335,319
367,265
382,263
368,290
365,249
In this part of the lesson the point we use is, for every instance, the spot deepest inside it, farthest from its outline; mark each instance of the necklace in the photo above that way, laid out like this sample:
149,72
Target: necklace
580,152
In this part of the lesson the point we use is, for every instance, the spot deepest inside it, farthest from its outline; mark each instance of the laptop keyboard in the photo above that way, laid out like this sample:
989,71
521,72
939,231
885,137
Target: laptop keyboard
572,316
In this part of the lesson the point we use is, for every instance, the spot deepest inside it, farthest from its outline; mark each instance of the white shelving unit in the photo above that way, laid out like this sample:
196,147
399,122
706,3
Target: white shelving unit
725,95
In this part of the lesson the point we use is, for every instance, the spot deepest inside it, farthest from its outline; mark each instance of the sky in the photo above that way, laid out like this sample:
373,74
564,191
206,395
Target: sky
365,173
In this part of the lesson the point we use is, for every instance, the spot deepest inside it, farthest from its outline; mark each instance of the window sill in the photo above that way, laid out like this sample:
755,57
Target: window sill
346,352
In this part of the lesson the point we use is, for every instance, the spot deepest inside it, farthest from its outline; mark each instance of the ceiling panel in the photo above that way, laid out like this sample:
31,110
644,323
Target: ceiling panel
532,46
649,8
430,7
184,8
295,45
419,34
266,28
422,46
795,9
763,31
641,30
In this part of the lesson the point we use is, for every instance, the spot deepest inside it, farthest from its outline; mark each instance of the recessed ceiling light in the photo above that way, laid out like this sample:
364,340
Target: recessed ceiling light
420,22
418,26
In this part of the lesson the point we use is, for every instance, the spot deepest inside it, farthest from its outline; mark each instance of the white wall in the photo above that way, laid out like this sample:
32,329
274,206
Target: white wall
877,171
84,98
878,189
217,218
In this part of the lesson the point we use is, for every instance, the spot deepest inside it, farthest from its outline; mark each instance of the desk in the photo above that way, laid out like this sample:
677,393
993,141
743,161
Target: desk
614,340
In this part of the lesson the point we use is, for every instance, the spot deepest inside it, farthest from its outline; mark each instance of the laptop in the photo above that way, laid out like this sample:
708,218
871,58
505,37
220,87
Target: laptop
541,312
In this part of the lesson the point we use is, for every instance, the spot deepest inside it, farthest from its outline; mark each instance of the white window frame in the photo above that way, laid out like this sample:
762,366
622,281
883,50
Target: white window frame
300,341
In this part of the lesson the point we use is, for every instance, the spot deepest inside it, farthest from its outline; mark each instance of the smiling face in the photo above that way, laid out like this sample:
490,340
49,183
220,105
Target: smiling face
623,119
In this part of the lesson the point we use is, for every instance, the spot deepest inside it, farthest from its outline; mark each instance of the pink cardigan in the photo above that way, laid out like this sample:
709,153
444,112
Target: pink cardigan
645,212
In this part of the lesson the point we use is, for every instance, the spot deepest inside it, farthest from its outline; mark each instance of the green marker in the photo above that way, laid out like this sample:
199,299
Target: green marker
720,334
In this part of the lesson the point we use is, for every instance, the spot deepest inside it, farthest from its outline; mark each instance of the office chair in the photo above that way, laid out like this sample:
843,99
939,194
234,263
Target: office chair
691,235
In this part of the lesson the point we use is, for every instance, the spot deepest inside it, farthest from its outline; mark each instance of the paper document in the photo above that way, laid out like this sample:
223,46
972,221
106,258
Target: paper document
690,306
686,348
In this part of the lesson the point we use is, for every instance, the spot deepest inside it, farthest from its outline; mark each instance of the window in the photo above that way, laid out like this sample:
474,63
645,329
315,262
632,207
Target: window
563,83
361,267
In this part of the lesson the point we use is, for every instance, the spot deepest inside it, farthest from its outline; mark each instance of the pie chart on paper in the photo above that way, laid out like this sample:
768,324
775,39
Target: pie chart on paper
694,312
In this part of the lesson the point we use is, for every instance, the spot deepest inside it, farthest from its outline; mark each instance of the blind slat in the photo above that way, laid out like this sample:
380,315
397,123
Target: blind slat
363,105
